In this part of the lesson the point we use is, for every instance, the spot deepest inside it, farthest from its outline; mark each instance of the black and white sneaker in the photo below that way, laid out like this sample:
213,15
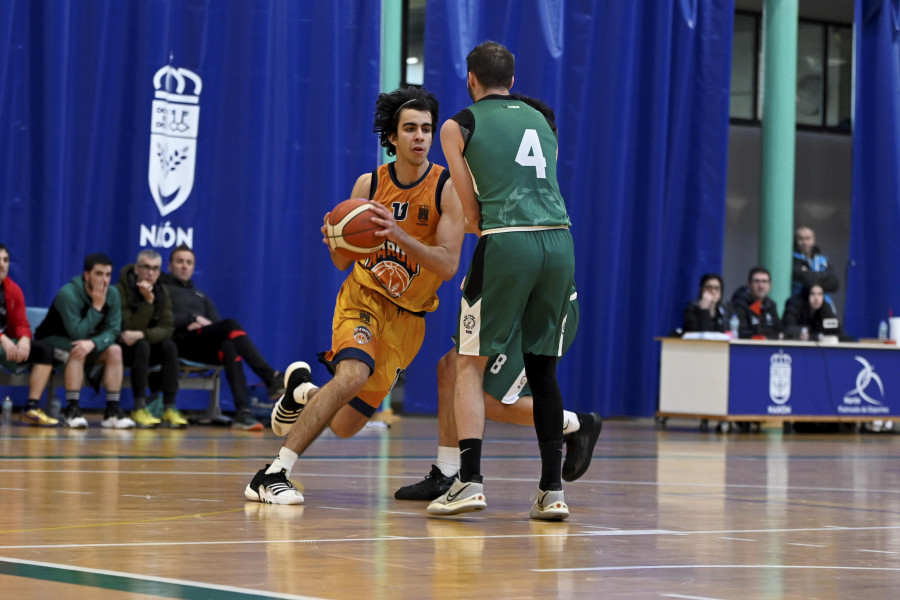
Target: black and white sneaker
272,488
115,418
433,486
580,446
297,384
73,418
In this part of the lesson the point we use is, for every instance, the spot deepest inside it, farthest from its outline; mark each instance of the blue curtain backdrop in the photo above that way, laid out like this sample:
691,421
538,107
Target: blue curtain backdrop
110,111
260,124
641,91
873,283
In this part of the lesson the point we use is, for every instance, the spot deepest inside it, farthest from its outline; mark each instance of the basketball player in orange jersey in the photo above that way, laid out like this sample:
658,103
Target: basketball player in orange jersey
378,323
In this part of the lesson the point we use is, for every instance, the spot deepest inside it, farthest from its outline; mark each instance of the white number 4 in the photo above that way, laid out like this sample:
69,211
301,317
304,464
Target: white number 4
530,154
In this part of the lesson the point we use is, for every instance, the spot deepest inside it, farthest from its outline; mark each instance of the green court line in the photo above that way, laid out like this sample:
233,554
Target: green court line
123,582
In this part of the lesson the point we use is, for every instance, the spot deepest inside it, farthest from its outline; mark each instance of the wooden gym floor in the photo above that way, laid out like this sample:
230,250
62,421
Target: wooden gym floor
674,513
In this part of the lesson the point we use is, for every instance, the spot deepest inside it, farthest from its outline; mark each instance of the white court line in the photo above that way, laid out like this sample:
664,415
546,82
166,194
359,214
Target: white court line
807,545
68,492
203,500
688,597
661,567
187,582
15,489
585,534
875,551
737,539
579,485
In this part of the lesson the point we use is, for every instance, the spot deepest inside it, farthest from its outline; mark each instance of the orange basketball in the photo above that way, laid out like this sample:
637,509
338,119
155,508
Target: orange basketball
350,231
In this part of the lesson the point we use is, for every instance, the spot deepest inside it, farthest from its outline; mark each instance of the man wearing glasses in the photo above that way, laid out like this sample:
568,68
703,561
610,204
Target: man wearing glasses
146,338
757,312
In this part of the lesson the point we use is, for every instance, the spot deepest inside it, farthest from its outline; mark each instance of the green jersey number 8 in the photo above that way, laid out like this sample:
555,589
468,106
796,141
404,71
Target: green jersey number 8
530,153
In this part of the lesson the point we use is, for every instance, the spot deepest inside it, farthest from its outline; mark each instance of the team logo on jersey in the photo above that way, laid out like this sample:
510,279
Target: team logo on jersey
400,210
469,323
423,214
393,268
362,335
175,119
365,317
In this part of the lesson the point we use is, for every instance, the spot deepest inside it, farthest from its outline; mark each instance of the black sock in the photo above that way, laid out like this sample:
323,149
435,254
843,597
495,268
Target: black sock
551,466
32,404
469,459
140,402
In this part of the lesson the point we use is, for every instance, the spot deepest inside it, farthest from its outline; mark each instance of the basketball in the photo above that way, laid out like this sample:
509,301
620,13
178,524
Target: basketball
350,231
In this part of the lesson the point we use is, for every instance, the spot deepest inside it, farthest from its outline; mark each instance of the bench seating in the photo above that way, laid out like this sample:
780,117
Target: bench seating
191,376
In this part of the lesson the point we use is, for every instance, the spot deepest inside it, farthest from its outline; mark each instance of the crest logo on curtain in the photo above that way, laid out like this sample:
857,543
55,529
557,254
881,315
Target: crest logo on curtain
174,123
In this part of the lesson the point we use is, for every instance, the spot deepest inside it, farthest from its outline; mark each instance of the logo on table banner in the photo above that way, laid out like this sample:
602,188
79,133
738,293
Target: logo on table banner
867,398
779,383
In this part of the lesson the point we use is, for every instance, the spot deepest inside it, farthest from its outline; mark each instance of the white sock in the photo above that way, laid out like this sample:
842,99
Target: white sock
286,459
301,393
448,460
571,424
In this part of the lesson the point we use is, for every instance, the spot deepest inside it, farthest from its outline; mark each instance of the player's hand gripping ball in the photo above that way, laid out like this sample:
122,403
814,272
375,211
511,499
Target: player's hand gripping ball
350,231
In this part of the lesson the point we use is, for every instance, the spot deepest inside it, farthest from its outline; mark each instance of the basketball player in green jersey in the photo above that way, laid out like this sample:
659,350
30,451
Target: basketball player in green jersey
502,159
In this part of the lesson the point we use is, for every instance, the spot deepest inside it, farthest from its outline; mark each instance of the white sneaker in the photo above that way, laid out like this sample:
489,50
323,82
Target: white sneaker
116,419
297,383
272,488
549,506
461,497
74,419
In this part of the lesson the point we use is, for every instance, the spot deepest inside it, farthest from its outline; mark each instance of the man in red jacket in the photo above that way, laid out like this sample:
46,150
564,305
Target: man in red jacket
17,347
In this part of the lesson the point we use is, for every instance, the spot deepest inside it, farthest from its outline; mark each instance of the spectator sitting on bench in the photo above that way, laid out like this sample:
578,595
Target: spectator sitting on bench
203,336
17,347
84,322
147,329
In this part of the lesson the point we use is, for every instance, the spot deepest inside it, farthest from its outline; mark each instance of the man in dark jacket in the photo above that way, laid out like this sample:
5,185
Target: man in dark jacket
203,336
756,311
810,266
83,323
147,329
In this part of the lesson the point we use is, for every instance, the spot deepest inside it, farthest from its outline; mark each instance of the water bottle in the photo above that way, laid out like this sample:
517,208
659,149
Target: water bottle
734,324
883,331
7,410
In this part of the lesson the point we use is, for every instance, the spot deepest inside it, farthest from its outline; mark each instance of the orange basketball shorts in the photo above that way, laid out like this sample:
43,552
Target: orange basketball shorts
370,328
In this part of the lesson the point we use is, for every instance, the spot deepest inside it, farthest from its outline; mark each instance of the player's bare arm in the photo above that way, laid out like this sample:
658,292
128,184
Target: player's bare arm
452,145
442,258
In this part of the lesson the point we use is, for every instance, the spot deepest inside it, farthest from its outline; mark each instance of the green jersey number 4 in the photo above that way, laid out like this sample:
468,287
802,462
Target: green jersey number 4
530,153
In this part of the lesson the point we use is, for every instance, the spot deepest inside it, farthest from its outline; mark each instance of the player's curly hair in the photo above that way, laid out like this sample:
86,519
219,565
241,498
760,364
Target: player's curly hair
387,111
538,105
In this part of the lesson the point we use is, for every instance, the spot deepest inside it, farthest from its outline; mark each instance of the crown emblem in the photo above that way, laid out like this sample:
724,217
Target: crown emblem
781,359
171,84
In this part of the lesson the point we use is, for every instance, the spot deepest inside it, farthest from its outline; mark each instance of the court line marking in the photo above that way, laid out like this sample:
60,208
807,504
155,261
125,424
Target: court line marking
163,580
807,545
580,484
587,534
660,567
688,597
116,523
